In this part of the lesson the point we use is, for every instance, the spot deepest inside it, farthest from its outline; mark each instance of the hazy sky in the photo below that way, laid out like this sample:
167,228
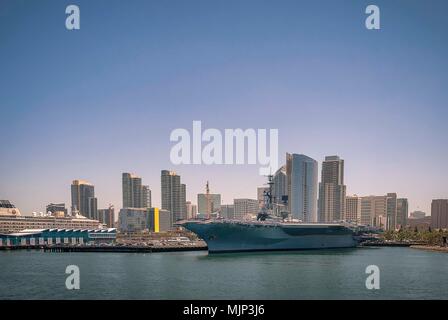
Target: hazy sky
96,102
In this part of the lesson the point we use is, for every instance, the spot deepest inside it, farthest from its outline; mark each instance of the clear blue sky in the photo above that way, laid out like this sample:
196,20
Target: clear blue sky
93,103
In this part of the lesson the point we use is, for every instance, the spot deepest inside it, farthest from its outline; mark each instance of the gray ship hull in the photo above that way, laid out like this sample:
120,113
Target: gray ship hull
257,236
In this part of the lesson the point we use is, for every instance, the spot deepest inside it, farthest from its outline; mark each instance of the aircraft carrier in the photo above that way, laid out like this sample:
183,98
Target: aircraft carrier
269,233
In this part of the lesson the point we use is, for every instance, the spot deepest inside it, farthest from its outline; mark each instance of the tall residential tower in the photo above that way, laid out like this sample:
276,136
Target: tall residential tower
332,190
173,195
83,199
301,172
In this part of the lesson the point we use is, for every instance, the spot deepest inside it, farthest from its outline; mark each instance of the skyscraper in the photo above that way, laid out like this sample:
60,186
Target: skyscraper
402,213
280,187
146,197
332,190
93,209
82,192
439,214
173,195
353,209
301,172
107,216
372,209
183,202
132,191
391,211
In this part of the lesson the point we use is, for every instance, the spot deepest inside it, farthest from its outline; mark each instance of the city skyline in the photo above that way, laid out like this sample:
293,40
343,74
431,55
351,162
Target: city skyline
107,97
330,174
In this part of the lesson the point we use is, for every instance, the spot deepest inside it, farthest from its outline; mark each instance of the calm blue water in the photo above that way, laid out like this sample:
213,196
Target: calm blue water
405,274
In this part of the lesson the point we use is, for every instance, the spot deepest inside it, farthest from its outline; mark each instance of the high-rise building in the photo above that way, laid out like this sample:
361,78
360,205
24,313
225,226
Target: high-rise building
402,213
183,202
227,211
439,214
135,194
332,190
57,209
301,172
280,187
353,209
192,210
215,203
385,212
107,216
244,208
372,208
146,197
93,209
132,191
173,195
391,211
82,192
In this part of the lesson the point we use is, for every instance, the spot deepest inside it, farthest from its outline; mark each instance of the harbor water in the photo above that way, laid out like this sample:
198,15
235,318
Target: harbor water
405,273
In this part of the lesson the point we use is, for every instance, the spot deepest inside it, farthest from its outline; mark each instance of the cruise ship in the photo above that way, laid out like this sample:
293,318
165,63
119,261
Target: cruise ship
269,233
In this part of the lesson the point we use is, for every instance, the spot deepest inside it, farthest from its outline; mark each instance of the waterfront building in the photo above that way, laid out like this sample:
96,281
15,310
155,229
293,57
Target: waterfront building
107,216
402,213
280,187
353,209
301,172
135,195
159,220
173,195
144,219
244,208
215,203
82,192
417,215
227,211
34,237
439,214
57,209
331,206
133,219
8,209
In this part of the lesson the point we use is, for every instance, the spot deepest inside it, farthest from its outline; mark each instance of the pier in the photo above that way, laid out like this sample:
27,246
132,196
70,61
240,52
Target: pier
112,248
